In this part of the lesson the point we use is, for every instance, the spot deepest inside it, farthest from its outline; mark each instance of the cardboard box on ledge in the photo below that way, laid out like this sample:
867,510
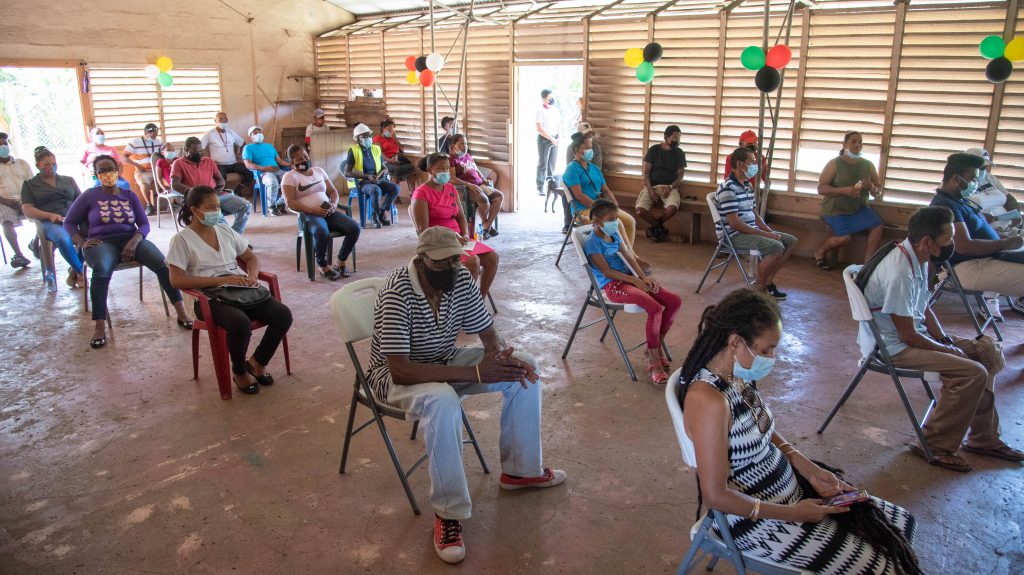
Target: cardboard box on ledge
367,110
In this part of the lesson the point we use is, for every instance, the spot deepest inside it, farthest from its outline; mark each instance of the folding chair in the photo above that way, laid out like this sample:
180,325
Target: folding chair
725,248
304,238
165,193
352,310
595,298
577,220
880,361
703,537
951,284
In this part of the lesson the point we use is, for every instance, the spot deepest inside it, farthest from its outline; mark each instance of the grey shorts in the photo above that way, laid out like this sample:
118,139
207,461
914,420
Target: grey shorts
767,246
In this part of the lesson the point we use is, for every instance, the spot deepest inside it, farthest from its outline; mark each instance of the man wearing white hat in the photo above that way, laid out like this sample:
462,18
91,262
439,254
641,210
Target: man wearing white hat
416,366
366,165
263,157
319,116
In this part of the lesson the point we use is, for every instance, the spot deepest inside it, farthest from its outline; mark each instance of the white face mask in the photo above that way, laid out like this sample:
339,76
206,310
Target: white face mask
222,125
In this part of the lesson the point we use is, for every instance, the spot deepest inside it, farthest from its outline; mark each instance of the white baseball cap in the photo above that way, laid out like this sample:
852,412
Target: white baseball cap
981,153
254,128
318,113
584,128
361,129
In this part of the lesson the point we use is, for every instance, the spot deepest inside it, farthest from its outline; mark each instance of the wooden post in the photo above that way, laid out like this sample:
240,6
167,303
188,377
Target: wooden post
1012,8
648,90
716,134
423,106
894,80
586,69
798,100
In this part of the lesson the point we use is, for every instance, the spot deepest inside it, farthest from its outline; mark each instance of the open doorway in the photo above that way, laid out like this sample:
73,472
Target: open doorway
566,84
42,107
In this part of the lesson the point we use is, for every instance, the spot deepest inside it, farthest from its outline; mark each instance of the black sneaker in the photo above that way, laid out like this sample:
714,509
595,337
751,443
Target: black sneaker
375,223
274,211
775,293
150,210
33,246
19,261
565,230
383,220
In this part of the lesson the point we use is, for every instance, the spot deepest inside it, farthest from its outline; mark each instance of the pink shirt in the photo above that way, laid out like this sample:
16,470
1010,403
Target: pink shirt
443,205
195,175
93,149
466,169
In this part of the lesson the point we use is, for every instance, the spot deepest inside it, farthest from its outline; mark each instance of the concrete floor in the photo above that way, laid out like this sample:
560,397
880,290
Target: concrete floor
116,461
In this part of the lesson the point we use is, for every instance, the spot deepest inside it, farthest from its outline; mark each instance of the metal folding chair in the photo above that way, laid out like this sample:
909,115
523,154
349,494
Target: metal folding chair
725,248
165,193
703,536
880,361
577,221
595,298
352,310
951,284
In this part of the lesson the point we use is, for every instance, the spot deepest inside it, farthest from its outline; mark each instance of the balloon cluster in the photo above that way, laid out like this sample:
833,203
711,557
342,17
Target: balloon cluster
767,65
643,60
423,69
161,71
1001,55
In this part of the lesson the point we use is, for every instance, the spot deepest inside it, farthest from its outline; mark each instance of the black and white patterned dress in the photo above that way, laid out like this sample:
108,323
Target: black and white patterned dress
758,469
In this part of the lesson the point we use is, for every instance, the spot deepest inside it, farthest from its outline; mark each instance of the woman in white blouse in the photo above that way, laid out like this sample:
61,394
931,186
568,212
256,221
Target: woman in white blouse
205,254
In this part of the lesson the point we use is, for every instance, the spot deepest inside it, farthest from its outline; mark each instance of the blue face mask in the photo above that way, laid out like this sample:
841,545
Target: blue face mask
969,191
442,177
982,177
5,151
588,155
851,155
757,371
365,142
257,138
211,218
170,155
610,227
751,171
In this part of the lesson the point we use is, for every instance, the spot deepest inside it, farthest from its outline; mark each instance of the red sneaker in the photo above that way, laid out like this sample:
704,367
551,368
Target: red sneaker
448,540
551,478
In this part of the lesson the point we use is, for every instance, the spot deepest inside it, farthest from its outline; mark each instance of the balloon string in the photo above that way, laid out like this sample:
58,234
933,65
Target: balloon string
789,16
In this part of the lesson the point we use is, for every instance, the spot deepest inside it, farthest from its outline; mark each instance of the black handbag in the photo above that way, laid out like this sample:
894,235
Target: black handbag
238,296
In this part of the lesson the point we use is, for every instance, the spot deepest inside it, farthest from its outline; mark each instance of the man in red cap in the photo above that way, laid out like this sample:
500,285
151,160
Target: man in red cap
748,140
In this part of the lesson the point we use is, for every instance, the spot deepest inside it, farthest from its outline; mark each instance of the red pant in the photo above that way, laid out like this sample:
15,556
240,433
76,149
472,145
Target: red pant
661,307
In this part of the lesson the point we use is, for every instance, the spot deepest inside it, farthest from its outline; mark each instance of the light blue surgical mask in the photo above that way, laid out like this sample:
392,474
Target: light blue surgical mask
170,155
751,171
851,155
257,138
757,371
100,139
211,218
365,142
5,151
588,155
610,227
971,188
982,177
442,177
222,125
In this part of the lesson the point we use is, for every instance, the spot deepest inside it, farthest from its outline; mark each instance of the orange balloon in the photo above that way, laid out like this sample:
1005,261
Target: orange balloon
427,78
410,63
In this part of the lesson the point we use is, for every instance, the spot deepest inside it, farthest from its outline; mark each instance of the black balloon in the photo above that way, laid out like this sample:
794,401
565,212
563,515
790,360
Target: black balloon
767,79
653,52
421,63
998,70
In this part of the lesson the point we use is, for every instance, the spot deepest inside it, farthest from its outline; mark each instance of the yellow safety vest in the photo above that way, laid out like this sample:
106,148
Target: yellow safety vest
378,160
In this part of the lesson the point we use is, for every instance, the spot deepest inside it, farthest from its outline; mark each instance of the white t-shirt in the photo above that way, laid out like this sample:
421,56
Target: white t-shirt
314,128
311,190
12,175
550,120
195,257
222,145
143,149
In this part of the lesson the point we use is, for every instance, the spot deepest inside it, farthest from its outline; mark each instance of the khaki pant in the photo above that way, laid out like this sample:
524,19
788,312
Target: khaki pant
647,200
966,400
988,274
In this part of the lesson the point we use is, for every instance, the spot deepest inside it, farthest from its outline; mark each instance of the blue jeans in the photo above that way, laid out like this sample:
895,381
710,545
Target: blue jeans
381,195
106,256
438,406
232,205
320,228
59,236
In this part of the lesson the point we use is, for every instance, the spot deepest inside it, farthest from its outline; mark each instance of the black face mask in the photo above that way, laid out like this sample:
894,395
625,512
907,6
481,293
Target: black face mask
195,157
551,101
443,280
945,252
302,167
674,144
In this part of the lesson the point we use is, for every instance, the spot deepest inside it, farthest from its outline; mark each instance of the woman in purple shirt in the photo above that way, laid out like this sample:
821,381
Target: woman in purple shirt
115,227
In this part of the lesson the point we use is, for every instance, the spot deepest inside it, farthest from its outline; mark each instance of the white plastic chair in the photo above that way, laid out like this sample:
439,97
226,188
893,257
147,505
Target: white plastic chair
165,193
595,298
352,310
880,361
702,535
725,248
951,284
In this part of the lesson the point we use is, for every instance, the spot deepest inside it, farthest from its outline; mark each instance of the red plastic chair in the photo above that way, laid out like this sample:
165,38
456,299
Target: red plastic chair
219,337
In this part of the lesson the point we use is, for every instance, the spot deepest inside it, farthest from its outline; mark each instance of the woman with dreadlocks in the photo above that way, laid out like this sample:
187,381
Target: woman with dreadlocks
769,491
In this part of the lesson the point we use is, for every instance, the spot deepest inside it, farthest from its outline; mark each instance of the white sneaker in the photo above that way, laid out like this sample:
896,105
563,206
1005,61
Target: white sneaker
993,307
1018,304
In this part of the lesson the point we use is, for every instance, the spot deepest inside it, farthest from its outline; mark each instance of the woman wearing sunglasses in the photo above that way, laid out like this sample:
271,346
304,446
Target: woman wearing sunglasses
770,492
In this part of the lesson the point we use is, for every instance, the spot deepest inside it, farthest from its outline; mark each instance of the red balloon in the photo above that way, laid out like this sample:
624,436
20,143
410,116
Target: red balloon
779,56
410,63
427,78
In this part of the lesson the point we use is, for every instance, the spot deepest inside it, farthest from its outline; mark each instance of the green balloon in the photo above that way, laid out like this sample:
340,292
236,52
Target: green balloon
645,72
752,58
165,79
992,47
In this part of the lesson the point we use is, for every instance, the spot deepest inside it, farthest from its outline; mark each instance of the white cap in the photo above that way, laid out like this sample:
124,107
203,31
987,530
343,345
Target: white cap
361,129
981,153
584,128
318,113
254,128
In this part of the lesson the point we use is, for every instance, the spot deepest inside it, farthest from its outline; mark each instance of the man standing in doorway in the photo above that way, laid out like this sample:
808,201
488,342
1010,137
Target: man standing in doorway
13,173
225,145
139,154
549,122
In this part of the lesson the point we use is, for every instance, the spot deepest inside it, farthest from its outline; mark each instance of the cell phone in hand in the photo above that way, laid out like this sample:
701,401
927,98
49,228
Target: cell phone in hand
325,206
847,499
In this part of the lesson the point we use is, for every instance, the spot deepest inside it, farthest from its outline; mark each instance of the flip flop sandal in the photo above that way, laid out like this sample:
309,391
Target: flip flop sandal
918,451
822,264
331,274
185,324
342,271
1004,452
98,342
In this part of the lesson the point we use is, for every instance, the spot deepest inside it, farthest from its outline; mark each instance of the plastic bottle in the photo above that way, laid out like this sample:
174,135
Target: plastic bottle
479,231
51,281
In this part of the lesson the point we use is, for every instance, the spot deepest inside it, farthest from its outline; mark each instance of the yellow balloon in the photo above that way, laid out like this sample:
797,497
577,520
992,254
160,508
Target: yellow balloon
411,78
1015,50
164,63
634,57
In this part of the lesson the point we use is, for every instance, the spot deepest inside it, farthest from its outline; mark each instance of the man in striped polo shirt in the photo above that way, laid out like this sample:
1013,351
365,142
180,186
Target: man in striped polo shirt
746,229
416,366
